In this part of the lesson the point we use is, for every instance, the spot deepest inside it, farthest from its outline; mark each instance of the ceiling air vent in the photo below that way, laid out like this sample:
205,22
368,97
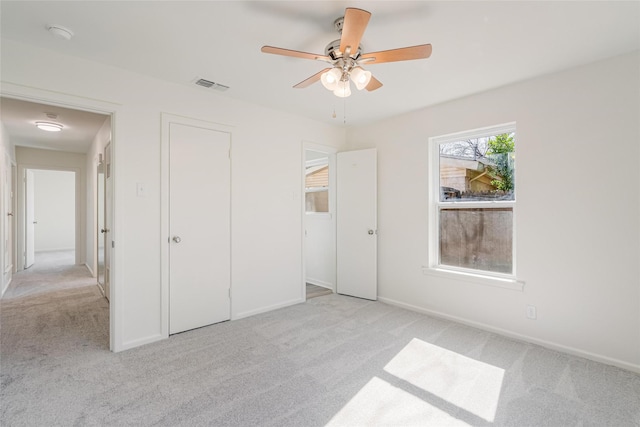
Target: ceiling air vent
205,83
210,85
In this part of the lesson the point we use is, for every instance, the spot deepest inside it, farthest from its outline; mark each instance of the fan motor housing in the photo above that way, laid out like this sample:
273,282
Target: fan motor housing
333,51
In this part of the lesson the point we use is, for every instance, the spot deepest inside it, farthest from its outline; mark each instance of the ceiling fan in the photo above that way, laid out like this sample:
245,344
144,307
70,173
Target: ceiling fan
346,56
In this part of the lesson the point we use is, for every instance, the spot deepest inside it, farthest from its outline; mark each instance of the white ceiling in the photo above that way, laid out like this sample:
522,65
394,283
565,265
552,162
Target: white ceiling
477,45
80,127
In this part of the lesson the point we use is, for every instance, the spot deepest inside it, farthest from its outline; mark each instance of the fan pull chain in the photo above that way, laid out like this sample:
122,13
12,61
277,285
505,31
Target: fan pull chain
344,111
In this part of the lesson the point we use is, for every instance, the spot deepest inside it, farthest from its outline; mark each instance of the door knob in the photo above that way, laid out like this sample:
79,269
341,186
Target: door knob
10,214
371,232
103,230
177,239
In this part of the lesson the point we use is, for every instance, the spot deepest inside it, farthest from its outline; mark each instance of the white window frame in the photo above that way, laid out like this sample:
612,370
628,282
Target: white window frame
434,268
319,162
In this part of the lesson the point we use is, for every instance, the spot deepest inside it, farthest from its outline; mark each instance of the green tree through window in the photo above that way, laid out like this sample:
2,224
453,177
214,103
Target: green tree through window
501,151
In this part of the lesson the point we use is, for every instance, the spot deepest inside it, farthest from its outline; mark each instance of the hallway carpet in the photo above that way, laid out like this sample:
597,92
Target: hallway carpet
333,360
52,270
314,291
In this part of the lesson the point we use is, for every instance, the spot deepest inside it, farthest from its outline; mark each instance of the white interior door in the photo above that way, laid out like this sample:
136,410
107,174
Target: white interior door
30,220
357,235
100,230
199,227
108,220
7,265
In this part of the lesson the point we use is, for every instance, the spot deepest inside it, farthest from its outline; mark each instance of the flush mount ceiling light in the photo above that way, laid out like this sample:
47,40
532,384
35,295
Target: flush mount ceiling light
49,127
60,31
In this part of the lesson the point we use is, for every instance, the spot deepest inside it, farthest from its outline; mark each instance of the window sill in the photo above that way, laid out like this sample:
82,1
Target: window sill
512,284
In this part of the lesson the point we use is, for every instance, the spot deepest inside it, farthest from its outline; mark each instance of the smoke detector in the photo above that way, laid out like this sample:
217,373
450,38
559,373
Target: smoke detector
60,32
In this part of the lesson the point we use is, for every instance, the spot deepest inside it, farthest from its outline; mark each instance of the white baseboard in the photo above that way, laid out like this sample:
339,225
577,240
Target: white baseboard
90,270
320,283
6,286
148,340
137,343
101,289
266,309
547,344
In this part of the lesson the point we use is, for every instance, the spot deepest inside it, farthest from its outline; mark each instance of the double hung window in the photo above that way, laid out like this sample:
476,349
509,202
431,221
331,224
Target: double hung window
473,202
316,186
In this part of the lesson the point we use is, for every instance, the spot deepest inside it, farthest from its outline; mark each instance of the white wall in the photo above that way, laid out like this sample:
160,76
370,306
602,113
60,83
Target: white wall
320,249
266,153
578,254
578,210
55,210
33,158
7,240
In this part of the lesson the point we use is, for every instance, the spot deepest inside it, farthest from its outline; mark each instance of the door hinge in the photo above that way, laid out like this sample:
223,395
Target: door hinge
113,244
229,293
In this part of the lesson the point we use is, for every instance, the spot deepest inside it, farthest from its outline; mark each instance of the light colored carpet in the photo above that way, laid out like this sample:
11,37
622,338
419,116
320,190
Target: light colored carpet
314,291
52,270
333,360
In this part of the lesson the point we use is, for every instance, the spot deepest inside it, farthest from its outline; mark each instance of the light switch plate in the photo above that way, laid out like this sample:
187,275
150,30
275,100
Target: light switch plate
141,189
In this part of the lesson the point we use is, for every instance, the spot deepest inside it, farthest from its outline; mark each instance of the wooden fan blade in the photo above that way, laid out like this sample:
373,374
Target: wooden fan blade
311,80
402,54
373,84
294,53
353,26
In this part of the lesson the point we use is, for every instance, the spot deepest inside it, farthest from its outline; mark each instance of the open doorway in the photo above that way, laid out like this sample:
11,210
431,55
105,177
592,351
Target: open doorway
56,232
50,217
319,221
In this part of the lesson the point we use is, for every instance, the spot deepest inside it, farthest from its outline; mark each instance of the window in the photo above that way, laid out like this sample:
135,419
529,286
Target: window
316,186
473,202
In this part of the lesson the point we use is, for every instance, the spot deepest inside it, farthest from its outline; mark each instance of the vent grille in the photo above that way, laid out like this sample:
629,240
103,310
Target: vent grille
205,83
210,85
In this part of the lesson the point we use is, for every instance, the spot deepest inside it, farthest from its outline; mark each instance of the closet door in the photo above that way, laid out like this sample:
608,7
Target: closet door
357,229
199,227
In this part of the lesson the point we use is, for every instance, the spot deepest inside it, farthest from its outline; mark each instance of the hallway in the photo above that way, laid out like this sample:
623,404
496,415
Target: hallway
52,271
53,304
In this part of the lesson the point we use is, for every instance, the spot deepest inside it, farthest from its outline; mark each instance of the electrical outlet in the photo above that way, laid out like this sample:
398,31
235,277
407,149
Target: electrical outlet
532,312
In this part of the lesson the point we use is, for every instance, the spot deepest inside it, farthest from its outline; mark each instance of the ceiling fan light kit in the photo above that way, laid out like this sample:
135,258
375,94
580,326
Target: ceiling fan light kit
360,77
343,90
346,57
331,78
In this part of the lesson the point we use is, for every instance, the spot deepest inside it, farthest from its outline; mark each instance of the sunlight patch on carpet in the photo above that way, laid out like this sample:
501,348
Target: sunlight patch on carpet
464,382
380,403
